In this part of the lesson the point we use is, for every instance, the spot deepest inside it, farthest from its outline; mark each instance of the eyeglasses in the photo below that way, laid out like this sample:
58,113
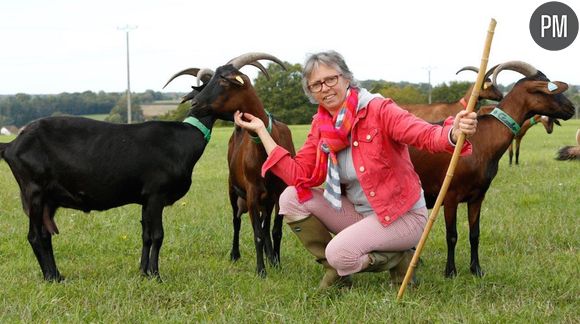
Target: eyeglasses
330,82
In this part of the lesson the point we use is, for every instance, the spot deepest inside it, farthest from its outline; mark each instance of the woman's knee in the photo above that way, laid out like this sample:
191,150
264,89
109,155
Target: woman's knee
341,257
290,207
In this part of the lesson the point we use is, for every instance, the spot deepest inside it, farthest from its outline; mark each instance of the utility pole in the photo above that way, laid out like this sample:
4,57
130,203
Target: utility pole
430,87
429,68
126,29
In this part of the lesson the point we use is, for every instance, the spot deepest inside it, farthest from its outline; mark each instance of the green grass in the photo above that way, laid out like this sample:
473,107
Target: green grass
529,250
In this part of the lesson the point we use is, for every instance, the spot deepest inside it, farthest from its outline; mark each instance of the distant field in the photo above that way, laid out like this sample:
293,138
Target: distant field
149,110
158,108
530,236
96,116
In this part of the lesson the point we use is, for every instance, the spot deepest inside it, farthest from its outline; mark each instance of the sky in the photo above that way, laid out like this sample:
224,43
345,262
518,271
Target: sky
50,47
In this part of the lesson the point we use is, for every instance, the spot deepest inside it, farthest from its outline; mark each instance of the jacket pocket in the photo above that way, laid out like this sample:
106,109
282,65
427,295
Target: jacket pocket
368,135
372,147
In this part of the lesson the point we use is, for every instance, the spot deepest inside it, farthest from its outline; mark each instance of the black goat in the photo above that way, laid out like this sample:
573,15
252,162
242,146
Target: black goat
84,164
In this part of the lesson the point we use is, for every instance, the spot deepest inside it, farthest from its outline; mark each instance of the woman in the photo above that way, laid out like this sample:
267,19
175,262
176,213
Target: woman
372,201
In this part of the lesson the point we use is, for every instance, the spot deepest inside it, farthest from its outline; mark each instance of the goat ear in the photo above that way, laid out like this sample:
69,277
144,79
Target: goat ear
549,87
236,79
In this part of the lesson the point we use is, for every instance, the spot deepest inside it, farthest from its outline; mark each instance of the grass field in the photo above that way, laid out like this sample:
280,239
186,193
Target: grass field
529,250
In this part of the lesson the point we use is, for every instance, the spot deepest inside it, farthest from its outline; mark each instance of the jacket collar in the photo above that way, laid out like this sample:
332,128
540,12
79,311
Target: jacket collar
364,97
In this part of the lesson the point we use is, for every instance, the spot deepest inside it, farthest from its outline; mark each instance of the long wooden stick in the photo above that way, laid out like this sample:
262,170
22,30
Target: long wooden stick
452,164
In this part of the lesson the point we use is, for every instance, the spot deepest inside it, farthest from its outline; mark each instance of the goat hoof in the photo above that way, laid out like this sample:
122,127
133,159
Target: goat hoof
275,262
262,273
154,275
450,273
54,278
478,272
234,257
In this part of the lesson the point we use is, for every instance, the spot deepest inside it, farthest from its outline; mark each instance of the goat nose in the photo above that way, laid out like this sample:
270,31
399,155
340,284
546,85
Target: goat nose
193,102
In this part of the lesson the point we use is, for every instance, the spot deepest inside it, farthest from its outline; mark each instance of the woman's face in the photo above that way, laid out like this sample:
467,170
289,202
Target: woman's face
328,87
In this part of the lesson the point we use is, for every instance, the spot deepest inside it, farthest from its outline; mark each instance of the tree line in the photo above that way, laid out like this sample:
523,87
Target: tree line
281,94
20,109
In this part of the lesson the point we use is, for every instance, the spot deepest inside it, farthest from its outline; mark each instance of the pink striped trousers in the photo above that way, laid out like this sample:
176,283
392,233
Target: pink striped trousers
355,235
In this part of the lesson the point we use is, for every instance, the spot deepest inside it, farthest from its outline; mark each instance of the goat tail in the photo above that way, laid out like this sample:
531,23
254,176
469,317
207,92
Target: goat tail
568,153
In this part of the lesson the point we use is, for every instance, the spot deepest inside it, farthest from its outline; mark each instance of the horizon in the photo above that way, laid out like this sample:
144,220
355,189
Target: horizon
576,87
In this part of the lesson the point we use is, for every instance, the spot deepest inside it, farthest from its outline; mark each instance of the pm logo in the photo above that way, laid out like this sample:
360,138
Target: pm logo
554,26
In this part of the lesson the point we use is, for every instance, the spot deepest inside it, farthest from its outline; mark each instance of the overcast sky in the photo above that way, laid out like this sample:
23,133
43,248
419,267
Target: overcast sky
59,46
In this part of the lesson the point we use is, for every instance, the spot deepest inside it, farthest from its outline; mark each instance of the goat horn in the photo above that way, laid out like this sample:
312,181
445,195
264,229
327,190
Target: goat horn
249,58
468,68
189,96
518,66
262,68
204,75
489,72
190,71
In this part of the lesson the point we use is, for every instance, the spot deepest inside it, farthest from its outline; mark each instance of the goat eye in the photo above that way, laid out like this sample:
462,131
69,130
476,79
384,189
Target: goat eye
223,81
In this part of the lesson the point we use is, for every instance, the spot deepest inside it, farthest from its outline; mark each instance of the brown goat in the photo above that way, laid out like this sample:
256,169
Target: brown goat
570,152
547,122
439,111
230,90
548,125
532,95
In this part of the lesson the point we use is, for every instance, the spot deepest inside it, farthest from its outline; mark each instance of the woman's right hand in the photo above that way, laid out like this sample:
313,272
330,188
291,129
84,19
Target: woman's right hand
248,121
254,124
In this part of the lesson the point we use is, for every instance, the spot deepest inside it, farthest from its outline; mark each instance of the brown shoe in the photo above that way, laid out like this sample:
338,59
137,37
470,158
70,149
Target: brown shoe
332,278
383,261
396,263
400,270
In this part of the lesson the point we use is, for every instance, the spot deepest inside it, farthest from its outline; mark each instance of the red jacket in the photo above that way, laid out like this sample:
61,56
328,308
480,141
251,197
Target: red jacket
379,138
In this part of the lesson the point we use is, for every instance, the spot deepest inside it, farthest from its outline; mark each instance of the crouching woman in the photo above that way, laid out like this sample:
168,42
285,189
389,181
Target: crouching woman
372,200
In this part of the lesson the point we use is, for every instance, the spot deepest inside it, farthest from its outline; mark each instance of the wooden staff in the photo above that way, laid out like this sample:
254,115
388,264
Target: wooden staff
452,164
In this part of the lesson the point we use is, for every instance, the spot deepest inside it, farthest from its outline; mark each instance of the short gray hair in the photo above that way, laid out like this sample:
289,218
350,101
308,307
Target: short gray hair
330,58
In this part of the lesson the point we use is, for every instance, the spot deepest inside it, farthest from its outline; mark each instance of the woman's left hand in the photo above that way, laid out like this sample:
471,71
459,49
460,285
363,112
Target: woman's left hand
465,123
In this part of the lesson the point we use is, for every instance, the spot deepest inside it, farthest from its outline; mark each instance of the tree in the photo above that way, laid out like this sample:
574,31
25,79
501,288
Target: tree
120,111
116,118
450,93
178,114
408,94
5,120
283,96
